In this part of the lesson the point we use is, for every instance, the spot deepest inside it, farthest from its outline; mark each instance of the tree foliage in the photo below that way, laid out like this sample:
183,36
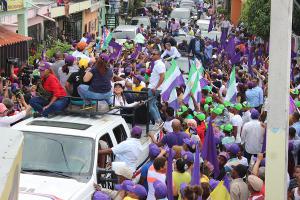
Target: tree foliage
256,17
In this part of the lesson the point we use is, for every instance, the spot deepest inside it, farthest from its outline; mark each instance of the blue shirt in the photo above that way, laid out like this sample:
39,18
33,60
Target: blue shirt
197,46
172,139
255,97
208,51
297,127
144,173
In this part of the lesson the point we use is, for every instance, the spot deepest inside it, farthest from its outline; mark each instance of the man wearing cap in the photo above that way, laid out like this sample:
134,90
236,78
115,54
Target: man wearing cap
160,189
255,185
156,80
238,188
76,78
236,156
127,151
252,135
78,54
237,122
136,192
154,151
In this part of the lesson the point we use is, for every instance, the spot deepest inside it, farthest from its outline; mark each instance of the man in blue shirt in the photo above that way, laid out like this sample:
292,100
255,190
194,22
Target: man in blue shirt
254,95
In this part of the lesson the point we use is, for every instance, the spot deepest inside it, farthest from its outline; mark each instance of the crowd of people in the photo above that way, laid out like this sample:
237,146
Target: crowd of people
211,146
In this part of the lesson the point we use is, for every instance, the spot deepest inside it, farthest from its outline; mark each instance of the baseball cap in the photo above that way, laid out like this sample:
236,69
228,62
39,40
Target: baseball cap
183,109
254,114
297,103
136,131
138,190
154,150
238,106
255,182
228,127
69,59
81,45
224,154
98,195
187,156
3,108
160,189
83,63
246,104
217,111
124,171
227,103
200,116
124,185
221,106
206,107
241,170
295,91
189,116
208,99
43,66
104,57
233,148
139,77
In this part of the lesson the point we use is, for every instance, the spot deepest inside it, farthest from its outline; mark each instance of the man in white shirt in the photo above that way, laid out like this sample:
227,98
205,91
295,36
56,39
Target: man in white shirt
127,151
237,122
156,79
171,52
6,121
253,135
84,38
78,54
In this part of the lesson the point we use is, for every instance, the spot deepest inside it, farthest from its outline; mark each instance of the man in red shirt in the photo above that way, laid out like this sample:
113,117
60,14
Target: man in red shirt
53,99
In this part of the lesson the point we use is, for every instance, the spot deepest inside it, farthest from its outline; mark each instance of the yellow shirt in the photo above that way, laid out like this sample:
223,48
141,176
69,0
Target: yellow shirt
204,179
137,88
129,198
179,178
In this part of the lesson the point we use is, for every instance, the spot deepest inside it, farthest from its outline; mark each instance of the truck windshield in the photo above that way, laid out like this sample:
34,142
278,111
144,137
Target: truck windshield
58,155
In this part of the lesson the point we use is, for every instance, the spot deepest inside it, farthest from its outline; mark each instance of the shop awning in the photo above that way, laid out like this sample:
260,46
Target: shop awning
8,37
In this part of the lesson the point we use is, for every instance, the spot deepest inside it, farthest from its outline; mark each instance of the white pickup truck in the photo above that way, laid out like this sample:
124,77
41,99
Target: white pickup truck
60,154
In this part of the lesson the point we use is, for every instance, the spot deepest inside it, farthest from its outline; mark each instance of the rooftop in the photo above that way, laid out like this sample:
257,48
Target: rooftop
8,37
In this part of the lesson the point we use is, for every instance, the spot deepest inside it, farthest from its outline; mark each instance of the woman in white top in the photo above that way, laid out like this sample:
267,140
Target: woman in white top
65,71
119,99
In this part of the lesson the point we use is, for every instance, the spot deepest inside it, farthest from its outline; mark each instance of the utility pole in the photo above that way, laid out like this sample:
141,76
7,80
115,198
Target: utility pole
278,98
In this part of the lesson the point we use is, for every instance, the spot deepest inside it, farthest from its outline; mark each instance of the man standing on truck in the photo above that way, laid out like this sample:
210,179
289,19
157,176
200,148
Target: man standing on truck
127,151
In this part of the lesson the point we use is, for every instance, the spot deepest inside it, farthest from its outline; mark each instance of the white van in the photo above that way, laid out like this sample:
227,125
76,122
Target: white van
124,32
60,154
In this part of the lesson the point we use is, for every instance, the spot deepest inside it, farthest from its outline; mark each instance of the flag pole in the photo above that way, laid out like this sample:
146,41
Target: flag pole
279,83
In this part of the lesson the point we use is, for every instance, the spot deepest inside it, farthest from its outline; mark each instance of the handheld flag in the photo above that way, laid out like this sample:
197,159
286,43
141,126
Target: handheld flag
209,150
173,79
106,38
171,154
220,192
196,170
231,91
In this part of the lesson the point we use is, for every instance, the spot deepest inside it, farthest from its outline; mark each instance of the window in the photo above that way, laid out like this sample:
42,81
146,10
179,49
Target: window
120,133
106,138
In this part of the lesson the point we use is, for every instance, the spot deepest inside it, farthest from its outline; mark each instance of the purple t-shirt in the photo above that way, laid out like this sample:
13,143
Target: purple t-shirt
173,138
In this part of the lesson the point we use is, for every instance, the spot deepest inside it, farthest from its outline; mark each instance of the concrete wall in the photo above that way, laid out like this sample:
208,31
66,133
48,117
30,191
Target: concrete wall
90,21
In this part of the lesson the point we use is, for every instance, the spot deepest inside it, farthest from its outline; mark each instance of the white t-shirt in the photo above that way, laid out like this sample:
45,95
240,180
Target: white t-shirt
253,136
83,39
159,68
237,121
246,117
128,151
8,120
78,54
63,77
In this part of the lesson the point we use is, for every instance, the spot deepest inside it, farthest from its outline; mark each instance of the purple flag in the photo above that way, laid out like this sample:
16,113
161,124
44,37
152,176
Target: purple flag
211,24
250,61
263,148
171,154
236,58
226,182
43,55
209,150
230,47
223,38
196,170
203,82
292,105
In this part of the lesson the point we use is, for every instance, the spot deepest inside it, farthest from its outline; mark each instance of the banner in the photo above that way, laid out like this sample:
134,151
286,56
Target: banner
14,5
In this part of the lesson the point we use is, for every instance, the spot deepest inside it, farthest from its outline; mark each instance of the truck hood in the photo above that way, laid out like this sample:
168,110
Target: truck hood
45,187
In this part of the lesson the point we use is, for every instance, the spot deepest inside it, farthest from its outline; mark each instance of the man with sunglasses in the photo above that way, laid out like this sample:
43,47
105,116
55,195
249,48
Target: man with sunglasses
156,79
6,121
